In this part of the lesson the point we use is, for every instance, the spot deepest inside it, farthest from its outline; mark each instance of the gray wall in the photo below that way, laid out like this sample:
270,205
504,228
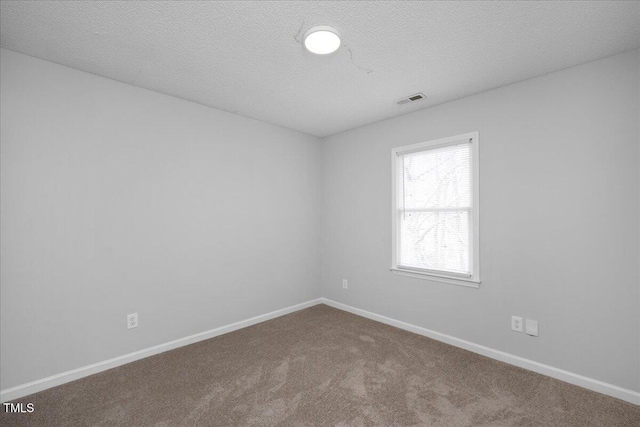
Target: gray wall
116,200
559,218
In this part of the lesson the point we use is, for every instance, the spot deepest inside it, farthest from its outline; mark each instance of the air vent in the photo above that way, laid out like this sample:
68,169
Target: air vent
412,98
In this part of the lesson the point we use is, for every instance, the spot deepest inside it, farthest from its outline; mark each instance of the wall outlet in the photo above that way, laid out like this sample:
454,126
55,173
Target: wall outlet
345,285
132,320
516,323
531,327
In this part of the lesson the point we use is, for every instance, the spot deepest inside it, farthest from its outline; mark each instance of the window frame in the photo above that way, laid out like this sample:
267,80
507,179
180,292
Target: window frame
472,280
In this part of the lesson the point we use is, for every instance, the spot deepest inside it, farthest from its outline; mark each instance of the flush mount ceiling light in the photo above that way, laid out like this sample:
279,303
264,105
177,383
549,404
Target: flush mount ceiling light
322,40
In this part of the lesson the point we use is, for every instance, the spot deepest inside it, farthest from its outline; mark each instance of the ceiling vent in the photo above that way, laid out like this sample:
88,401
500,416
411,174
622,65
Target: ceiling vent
412,98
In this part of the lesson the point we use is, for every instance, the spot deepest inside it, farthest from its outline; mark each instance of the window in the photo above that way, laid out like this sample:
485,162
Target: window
435,210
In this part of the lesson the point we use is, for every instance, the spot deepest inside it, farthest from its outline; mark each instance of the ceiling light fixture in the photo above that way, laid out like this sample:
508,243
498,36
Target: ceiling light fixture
322,40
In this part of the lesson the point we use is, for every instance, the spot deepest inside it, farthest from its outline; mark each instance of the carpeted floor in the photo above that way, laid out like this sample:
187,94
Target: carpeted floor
321,367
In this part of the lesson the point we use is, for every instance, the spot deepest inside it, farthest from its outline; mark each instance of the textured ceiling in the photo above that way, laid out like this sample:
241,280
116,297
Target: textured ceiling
247,57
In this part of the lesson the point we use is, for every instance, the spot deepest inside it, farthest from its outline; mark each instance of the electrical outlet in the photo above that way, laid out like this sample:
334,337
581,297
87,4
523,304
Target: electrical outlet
531,327
132,320
345,285
516,323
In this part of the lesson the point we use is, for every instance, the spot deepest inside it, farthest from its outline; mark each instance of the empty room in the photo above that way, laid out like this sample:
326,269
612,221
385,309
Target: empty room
305,213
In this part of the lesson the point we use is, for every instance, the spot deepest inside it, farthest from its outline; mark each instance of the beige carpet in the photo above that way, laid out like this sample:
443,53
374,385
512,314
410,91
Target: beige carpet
321,367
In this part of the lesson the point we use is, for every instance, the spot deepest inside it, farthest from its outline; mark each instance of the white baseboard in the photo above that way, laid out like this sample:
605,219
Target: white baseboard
560,374
74,374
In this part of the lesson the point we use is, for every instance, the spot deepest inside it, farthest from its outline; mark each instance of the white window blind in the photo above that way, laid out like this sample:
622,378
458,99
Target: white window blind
435,228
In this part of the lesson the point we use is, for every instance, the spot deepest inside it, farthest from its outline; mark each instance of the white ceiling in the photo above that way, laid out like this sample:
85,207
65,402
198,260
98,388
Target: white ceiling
247,57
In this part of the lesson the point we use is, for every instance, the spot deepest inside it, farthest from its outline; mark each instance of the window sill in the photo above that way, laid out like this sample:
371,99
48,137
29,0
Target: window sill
469,283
